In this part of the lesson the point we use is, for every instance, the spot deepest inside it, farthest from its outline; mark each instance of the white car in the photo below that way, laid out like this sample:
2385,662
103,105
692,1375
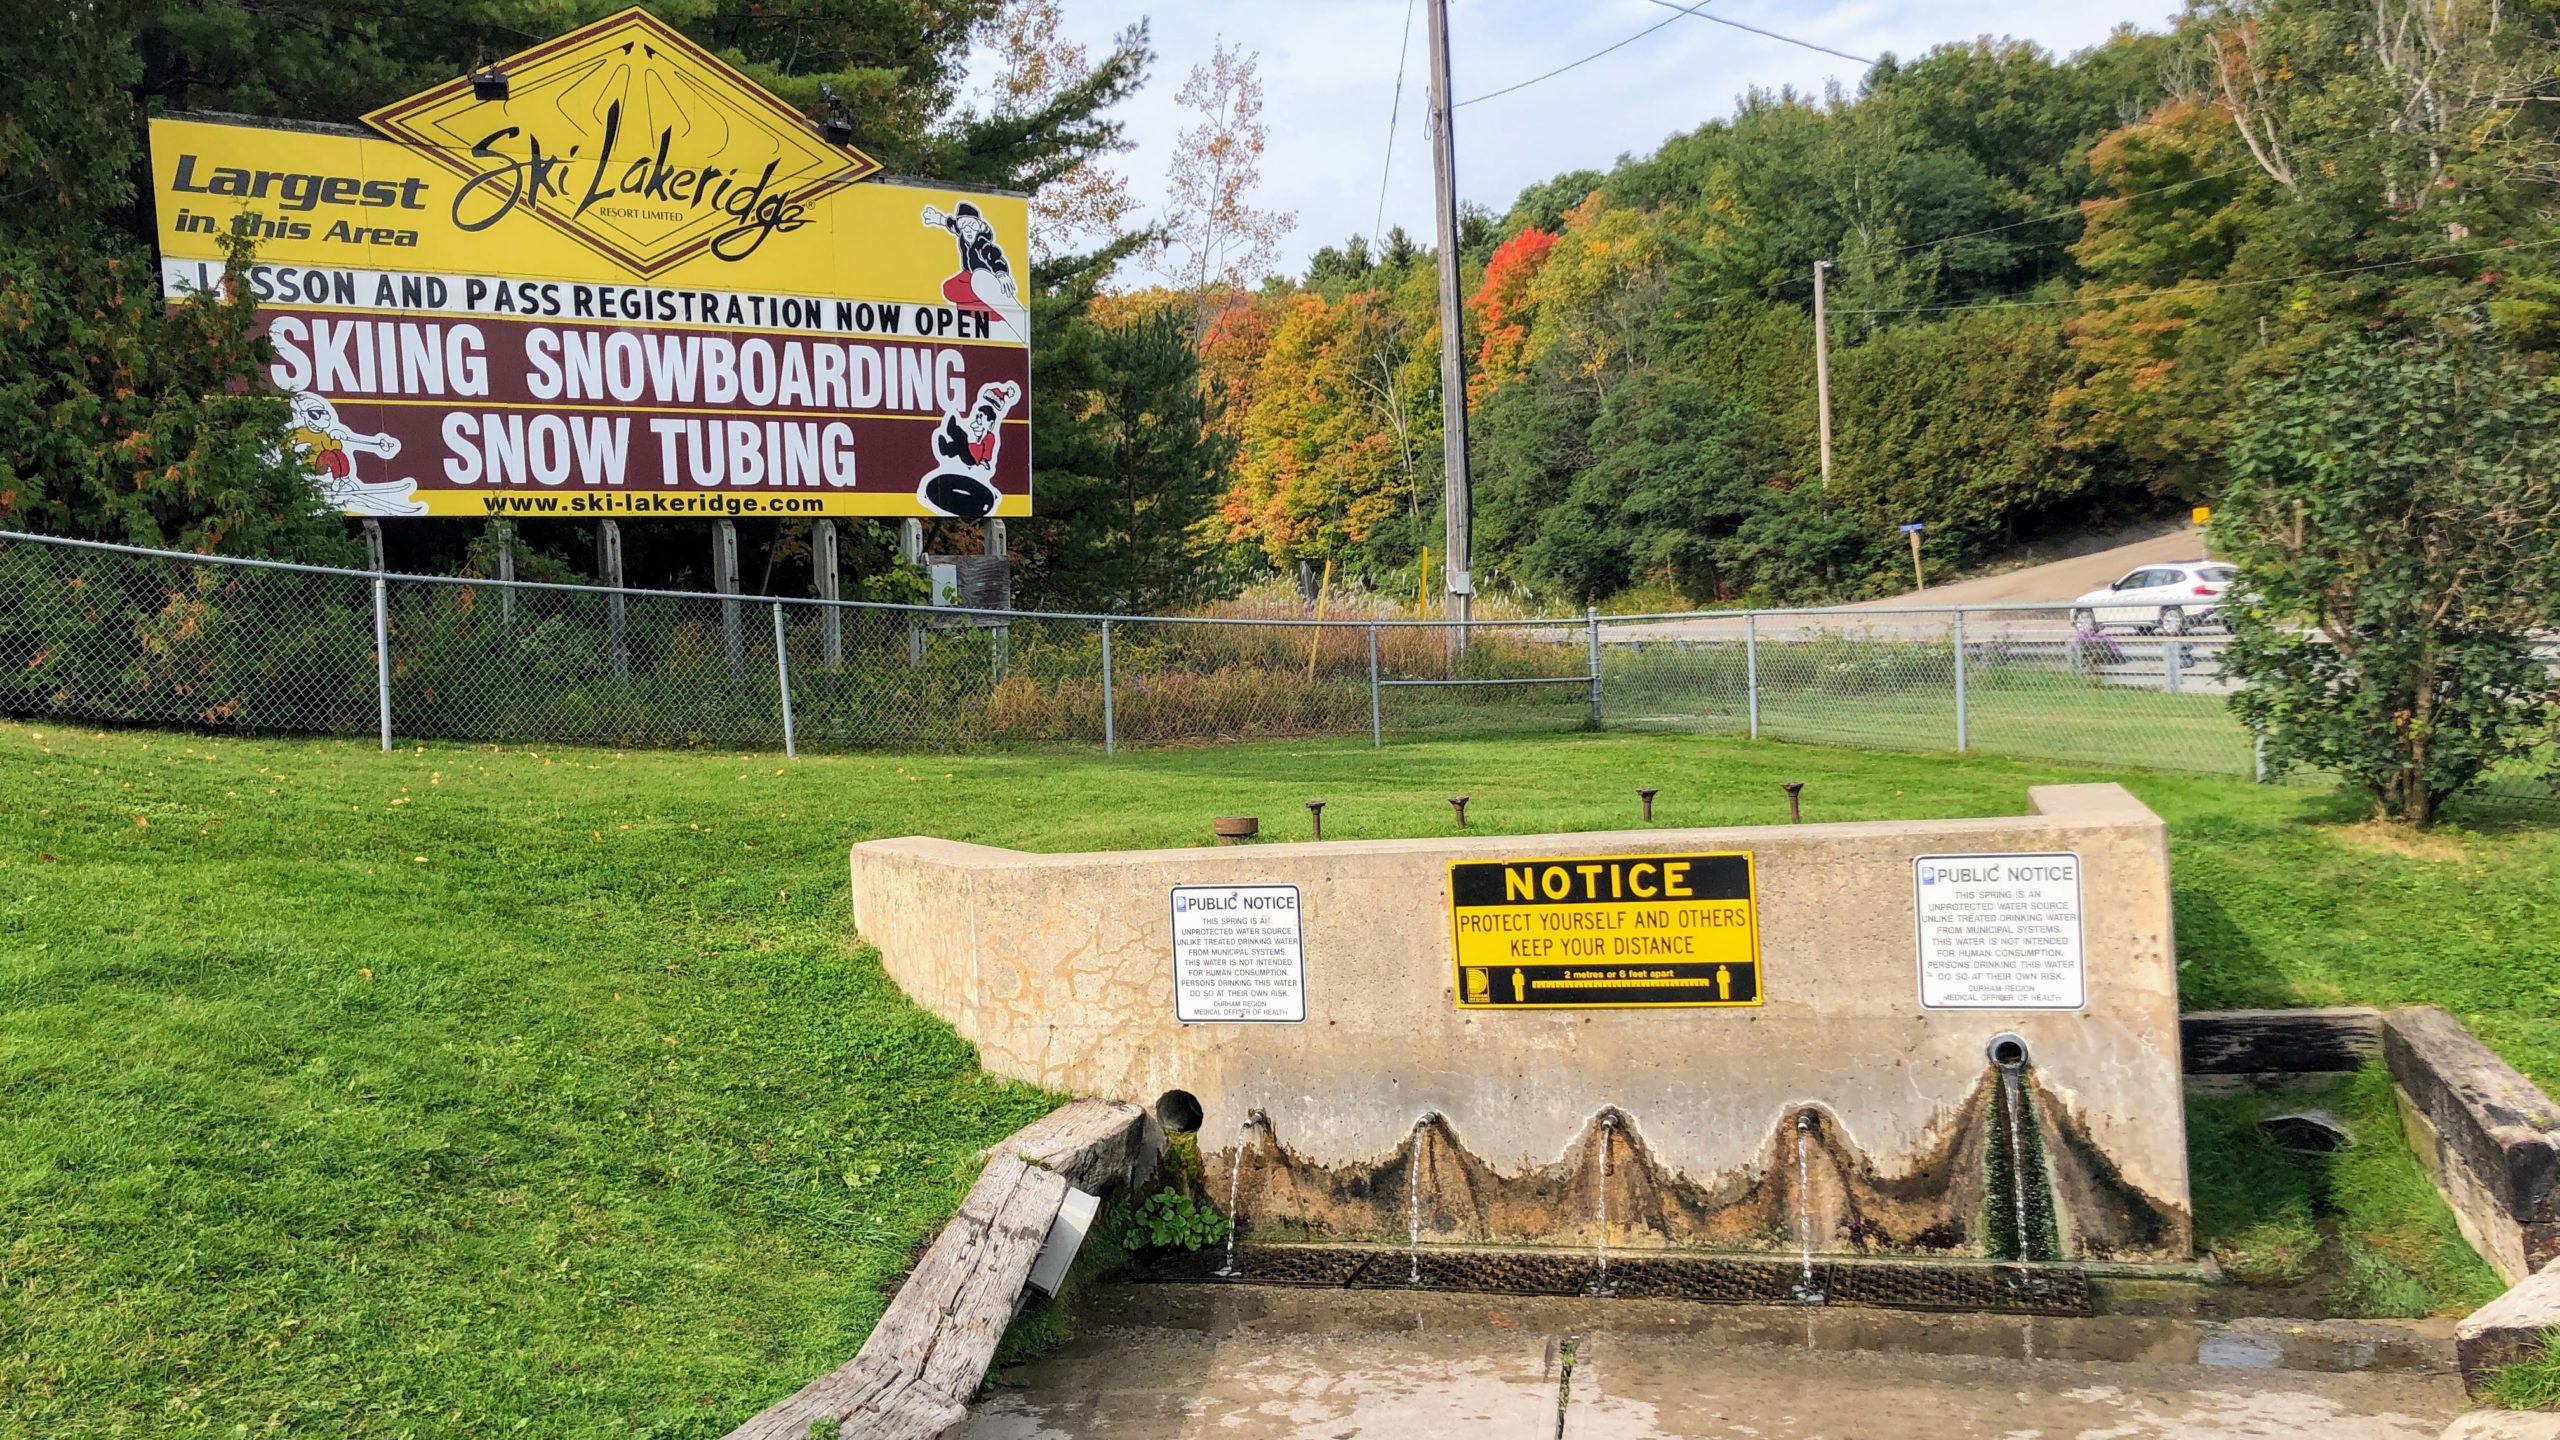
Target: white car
2164,599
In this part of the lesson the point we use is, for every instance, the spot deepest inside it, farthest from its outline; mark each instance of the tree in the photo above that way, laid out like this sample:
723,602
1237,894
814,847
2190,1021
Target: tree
1213,235
1504,306
121,418
1130,462
1079,201
2393,510
1946,421
1339,420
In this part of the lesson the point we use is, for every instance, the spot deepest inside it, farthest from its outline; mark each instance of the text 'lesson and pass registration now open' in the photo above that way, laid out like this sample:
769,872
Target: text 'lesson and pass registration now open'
1605,931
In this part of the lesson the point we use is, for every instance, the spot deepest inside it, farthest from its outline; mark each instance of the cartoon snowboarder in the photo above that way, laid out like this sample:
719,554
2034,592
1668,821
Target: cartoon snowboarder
964,449
324,442
984,283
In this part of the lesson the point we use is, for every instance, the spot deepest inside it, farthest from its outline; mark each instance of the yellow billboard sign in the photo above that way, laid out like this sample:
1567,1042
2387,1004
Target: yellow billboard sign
635,285
611,101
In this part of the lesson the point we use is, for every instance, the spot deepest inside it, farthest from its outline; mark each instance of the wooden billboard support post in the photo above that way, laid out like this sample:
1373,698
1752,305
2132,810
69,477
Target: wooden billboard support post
824,556
503,533
609,565
1003,634
911,550
724,578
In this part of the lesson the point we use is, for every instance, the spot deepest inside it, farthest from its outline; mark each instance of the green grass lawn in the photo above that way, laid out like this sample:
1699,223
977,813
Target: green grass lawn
2363,1229
479,1092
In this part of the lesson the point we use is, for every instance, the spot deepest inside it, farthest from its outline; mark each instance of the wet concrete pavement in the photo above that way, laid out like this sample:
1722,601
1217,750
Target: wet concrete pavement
1164,1361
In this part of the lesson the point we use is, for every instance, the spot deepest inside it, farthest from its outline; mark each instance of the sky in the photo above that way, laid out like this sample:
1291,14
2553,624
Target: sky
1329,82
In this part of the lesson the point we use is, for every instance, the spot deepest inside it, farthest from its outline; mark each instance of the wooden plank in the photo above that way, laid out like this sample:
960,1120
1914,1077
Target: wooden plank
1094,1144
921,1364
906,1331
874,1381
2260,1042
966,1344
847,1388
912,1412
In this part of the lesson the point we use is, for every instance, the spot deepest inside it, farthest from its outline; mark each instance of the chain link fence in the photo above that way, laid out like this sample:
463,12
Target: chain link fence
112,634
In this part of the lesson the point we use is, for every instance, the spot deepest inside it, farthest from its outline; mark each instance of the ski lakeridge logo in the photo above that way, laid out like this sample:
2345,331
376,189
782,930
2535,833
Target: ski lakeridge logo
632,140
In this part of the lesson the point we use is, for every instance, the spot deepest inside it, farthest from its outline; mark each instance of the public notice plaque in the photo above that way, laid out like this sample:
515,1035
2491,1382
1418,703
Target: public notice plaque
2000,932
1238,954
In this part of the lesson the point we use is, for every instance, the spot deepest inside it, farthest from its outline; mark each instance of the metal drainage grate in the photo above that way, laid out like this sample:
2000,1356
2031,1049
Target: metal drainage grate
1705,1279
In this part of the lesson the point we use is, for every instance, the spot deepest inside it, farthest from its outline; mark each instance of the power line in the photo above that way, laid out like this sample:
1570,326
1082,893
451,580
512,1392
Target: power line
1395,107
1756,30
1587,59
2205,286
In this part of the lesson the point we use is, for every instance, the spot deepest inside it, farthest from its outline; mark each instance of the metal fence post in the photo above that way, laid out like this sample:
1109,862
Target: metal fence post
1751,667
1963,741
382,653
782,672
1377,732
2173,659
1591,617
2258,752
1110,742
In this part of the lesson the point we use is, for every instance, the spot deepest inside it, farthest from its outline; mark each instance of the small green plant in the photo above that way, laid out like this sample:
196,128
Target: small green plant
826,1428
1171,1218
2532,1384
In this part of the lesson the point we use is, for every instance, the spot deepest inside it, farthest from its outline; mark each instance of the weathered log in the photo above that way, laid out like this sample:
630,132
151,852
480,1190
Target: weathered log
914,1376
2279,1042
2487,1134
1095,1144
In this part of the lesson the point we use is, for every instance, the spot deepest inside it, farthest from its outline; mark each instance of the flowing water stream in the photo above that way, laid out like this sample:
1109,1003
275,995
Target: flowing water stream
1608,1136
1413,1200
1807,1291
1235,1179
2009,1094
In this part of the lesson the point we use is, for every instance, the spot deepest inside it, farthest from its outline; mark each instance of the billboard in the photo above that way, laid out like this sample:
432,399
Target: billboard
636,284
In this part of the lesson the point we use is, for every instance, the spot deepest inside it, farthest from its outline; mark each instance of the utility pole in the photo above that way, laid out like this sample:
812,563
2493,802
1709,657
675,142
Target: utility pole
1822,367
1458,551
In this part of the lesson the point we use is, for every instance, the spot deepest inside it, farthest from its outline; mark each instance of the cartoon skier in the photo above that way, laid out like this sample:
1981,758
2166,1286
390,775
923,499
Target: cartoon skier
964,448
984,283
324,442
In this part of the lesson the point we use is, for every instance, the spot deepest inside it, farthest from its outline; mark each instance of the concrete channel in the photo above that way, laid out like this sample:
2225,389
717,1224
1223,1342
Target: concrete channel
1153,1362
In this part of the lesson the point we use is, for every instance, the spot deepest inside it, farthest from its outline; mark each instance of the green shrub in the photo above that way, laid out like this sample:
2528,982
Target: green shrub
1171,1218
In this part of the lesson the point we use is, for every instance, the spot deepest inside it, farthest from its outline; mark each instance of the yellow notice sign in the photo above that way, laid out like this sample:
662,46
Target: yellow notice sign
1605,932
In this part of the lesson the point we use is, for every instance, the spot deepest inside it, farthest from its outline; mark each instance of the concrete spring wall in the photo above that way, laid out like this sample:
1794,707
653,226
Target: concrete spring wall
1839,1114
